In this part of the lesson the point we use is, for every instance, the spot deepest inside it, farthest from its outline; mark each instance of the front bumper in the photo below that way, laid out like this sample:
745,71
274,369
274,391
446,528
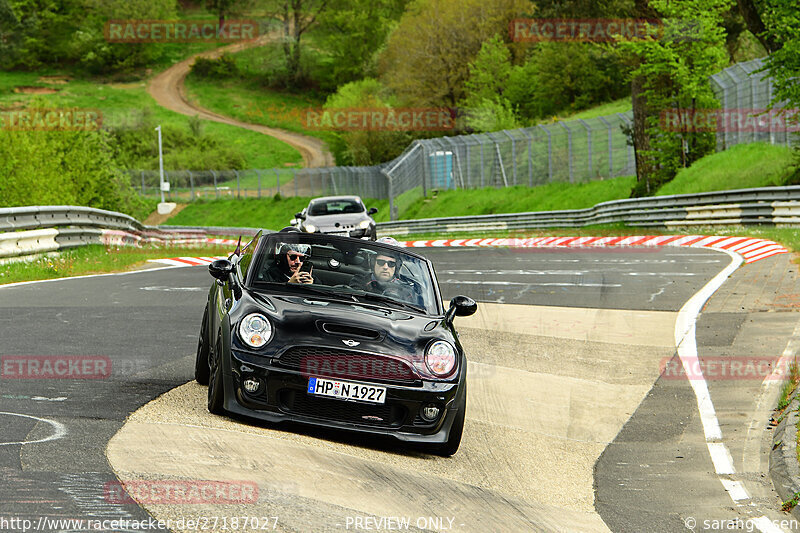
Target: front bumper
282,397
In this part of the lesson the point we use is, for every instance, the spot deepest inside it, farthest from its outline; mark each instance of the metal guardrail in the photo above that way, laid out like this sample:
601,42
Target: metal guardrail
30,230
766,205
39,229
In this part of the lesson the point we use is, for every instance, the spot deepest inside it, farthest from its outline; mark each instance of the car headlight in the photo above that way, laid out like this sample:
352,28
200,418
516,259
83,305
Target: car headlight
364,224
310,228
440,358
255,330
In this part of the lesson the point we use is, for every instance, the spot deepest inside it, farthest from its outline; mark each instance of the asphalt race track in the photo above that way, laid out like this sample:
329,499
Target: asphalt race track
570,424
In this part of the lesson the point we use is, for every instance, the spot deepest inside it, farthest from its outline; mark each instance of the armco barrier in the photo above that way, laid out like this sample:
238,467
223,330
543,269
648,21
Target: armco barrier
33,230
766,205
26,230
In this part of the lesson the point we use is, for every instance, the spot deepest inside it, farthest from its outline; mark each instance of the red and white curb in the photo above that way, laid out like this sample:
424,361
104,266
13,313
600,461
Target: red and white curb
233,242
187,261
750,249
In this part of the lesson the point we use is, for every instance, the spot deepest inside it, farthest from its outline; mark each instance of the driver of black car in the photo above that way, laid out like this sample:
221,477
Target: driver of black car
287,267
383,277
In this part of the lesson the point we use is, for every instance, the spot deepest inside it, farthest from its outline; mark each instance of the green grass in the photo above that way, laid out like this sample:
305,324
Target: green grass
248,100
270,213
623,105
123,104
275,214
519,199
96,259
741,167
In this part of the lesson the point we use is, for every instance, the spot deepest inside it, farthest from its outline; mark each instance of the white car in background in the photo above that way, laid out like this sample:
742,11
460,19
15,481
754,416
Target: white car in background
337,215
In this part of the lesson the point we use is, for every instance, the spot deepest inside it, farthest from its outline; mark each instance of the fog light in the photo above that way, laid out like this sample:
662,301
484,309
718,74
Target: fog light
251,384
430,412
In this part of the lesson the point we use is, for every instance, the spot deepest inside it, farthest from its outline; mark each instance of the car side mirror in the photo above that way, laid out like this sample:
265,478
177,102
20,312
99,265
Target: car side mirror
461,306
220,269
299,216
372,210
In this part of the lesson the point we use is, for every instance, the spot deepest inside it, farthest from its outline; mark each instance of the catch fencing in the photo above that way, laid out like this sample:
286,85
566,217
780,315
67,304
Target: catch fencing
743,87
572,151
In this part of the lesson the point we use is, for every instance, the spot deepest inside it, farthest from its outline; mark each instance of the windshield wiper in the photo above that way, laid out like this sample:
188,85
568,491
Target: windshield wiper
387,299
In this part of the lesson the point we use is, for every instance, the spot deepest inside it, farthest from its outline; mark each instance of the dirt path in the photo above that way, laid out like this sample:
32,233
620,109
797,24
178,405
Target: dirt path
168,91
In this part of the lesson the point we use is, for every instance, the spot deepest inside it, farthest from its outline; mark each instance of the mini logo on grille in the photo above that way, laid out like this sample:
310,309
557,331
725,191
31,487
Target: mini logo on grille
372,417
351,343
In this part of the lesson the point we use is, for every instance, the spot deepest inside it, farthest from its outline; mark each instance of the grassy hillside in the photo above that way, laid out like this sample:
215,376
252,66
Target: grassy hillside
123,104
741,167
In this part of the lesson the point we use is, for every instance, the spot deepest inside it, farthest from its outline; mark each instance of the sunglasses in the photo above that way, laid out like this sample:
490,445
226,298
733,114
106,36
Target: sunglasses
381,262
296,257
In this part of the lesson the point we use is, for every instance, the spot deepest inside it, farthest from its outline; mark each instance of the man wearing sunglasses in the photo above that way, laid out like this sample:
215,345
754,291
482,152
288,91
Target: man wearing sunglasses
288,263
384,279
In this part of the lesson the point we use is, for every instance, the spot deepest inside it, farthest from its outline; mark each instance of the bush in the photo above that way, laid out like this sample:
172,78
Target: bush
364,147
184,148
560,77
216,69
64,168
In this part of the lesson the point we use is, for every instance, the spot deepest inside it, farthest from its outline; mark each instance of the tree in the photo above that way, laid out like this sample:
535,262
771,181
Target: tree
296,17
34,33
63,168
427,56
755,23
354,32
9,25
485,106
560,77
366,147
223,8
581,8
783,64
672,72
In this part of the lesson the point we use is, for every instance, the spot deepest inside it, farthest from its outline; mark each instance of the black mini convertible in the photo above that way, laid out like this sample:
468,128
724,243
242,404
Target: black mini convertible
335,332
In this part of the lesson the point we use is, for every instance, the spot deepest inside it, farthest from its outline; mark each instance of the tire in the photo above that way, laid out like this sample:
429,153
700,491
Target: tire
216,389
454,438
374,235
201,370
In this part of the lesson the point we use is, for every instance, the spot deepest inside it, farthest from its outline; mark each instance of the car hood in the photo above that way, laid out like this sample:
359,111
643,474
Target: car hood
322,323
329,221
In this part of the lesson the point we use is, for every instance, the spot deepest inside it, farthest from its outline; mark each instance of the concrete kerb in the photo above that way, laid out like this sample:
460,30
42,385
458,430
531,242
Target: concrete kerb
784,468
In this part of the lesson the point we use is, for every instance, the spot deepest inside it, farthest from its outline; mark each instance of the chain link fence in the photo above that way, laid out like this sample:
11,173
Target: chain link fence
742,88
190,185
573,151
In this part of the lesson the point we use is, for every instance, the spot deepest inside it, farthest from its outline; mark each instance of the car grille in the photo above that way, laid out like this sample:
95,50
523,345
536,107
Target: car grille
382,415
346,364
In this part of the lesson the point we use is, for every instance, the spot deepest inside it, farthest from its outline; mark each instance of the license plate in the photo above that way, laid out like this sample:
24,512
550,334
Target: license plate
346,390
339,233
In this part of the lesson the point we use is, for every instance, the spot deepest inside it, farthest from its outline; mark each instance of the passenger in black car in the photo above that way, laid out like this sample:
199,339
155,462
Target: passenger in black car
287,267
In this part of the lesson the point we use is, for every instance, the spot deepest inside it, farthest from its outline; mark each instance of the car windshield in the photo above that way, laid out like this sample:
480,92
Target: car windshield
335,207
343,268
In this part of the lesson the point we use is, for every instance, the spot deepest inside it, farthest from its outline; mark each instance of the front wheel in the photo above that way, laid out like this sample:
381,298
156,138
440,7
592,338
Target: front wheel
454,438
201,371
216,389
